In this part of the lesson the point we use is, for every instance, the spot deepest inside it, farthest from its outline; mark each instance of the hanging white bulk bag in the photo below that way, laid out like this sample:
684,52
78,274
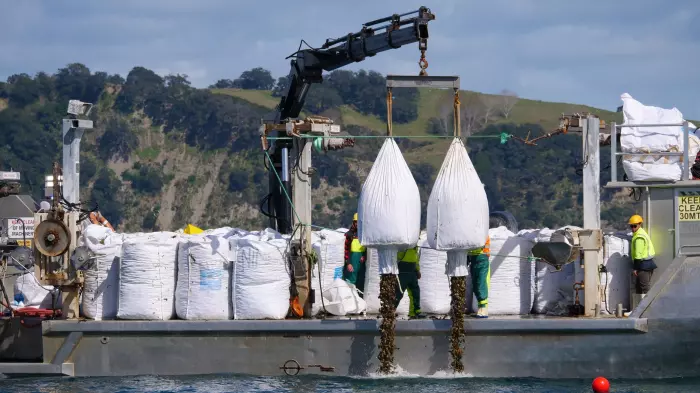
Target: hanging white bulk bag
147,276
511,290
389,208
203,278
260,279
101,287
434,284
458,210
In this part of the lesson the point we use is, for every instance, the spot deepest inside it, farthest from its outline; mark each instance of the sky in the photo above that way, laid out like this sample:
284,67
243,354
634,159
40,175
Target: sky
585,52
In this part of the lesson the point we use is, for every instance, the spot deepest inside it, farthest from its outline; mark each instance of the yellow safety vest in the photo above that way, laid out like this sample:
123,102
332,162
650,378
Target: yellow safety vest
410,255
486,249
646,250
355,246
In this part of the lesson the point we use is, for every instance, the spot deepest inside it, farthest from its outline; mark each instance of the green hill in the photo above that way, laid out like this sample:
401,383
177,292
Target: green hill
164,154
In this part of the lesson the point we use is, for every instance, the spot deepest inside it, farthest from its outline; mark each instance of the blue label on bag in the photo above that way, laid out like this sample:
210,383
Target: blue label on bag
210,280
338,273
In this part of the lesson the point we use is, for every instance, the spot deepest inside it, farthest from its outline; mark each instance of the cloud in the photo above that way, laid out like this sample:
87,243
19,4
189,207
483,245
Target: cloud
585,52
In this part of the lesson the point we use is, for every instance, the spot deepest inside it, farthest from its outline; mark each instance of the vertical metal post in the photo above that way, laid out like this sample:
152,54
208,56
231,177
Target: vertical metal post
301,198
72,135
686,148
613,151
591,211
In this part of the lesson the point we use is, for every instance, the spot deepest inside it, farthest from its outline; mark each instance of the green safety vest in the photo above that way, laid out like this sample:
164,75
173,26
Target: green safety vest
645,249
355,246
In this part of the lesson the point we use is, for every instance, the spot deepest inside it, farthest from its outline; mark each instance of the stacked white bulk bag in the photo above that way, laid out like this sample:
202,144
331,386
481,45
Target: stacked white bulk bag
203,278
35,295
389,208
330,248
372,279
342,298
458,210
260,279
616,282
147,276
654,140
512,274
101,287
434,284
554,290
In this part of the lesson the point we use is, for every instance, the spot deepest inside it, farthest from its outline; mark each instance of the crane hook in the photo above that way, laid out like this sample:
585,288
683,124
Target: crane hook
423,63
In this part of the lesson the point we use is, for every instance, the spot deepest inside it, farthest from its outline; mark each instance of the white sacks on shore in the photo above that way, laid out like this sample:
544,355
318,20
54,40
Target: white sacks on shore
616,282
101,287
389,208
434,284
458,210
203,278
147,276
512,274
372,286
260,279
654,140
330,249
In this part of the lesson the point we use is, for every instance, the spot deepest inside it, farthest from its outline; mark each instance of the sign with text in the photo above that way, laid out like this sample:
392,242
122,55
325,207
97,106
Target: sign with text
689,208
14,228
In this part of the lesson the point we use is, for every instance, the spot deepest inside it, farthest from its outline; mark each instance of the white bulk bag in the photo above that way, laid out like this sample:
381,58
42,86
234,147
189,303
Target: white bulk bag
341,298
372,279
389,209
647,139
260,279
101,287
147,276
511,289
203,278
35,295
330,250
616,282
434,284
458,210
553,290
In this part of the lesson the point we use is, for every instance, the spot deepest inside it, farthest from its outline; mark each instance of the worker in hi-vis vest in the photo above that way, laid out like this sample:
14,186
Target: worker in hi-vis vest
355,256
642,253
409,274
480,270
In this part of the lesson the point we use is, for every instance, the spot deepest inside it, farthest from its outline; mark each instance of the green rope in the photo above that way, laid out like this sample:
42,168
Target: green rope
502,136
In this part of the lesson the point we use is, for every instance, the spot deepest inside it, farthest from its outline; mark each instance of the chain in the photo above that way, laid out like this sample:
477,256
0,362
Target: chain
423,63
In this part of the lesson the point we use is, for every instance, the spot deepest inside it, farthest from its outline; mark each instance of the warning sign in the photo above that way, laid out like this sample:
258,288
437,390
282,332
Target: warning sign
689,208
14,228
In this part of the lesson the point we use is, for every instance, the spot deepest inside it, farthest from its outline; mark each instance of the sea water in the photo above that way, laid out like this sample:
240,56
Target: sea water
307,384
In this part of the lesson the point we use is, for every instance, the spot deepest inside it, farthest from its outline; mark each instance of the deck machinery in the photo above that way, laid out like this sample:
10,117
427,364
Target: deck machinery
659,339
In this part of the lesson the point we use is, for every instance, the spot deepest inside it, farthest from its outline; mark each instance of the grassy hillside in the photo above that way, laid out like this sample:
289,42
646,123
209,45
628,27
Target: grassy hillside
164,154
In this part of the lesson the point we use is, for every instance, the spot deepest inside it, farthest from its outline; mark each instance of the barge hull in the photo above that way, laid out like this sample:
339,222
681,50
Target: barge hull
659,340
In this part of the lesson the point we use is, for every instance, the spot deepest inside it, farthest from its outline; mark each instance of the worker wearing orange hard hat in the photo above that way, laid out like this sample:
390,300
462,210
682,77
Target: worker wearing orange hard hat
642,253
354,267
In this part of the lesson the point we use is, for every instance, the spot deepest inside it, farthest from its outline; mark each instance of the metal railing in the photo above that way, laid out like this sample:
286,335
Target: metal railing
614,153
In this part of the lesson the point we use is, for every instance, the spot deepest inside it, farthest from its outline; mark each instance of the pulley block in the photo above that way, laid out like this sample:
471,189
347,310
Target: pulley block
52,238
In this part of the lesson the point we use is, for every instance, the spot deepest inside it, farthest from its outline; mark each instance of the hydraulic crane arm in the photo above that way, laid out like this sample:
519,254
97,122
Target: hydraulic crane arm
309,64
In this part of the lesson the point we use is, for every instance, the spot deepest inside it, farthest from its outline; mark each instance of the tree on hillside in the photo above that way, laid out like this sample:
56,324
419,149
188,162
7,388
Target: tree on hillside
143,89
472,113
23,90
508,99
490,105
281,86
118,140
222,84
256,79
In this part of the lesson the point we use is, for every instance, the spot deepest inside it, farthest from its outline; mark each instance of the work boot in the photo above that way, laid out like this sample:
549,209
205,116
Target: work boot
483,312
417,315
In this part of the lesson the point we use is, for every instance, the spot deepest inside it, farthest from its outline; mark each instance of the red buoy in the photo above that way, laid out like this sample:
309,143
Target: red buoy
601,385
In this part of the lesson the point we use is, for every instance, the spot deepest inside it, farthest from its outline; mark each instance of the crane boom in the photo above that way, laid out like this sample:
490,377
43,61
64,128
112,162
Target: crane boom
307,65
